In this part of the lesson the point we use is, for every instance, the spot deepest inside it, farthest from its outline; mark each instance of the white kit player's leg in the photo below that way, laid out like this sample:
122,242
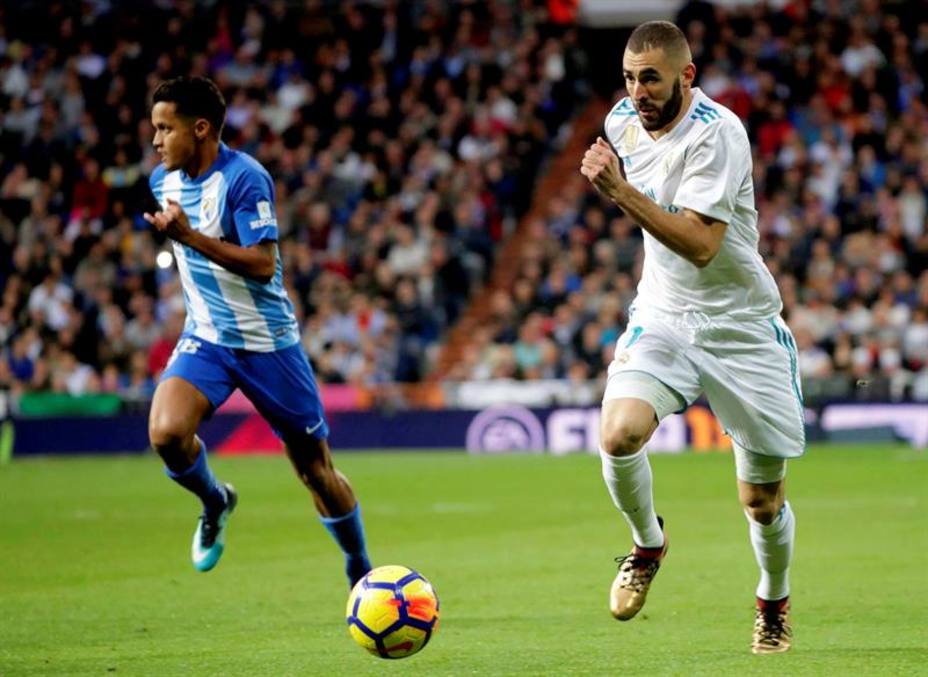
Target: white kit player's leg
635,400
772,530
649,379
764,416
627,424
633,404
773,550
629,481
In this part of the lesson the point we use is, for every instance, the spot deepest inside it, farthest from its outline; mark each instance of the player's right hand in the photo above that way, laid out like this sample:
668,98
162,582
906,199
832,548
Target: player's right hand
173,222
601,166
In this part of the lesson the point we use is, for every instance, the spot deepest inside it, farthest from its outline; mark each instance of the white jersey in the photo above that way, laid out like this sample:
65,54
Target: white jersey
703,164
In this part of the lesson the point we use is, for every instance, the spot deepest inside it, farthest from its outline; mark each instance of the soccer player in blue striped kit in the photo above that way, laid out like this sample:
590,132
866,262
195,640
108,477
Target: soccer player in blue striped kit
217,205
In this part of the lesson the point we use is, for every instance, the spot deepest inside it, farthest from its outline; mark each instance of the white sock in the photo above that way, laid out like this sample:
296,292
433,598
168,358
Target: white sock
773,549
628,479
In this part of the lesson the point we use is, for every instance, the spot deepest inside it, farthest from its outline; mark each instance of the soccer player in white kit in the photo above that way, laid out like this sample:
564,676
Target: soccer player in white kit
706,319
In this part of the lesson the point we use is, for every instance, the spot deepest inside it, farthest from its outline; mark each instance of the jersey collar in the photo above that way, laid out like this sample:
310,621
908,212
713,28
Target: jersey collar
221,157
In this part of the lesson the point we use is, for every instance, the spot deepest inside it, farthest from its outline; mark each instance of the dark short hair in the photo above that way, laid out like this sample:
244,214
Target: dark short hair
194,97
659,35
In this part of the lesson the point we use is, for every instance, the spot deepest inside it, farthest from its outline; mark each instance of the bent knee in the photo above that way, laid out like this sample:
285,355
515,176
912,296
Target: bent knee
169,432
762,509
623,438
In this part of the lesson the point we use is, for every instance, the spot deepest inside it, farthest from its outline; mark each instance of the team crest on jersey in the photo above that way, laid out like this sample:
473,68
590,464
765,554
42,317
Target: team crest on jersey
208,208
630,140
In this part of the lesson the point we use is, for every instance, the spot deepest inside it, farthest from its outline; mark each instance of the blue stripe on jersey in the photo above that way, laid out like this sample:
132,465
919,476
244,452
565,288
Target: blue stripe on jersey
625,108
277,312
709,111
219,311
705,113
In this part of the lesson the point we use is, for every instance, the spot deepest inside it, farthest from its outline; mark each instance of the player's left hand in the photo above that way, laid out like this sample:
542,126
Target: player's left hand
601,166
173,222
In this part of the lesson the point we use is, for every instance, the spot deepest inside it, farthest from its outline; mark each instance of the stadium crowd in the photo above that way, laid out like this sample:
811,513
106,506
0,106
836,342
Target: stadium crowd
833,97
404,140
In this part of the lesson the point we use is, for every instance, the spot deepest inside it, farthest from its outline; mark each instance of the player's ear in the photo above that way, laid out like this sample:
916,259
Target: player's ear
688,74
201,129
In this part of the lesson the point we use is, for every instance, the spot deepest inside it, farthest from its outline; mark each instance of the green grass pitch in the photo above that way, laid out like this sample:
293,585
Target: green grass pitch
95,577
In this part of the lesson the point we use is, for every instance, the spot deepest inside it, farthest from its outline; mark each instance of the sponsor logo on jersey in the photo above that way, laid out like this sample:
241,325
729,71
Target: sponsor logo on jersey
265,216
631,139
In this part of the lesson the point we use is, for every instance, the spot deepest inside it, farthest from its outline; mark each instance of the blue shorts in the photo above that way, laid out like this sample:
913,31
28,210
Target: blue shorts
280,384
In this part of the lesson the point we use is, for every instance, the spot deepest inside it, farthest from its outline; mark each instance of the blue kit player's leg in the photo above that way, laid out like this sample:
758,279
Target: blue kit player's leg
348,532
192,386
282,387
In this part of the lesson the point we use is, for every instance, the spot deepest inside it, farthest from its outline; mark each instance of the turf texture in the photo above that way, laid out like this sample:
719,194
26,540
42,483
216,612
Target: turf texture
95,577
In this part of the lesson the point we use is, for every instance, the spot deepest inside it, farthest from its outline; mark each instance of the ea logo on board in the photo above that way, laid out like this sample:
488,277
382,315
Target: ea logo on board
502,429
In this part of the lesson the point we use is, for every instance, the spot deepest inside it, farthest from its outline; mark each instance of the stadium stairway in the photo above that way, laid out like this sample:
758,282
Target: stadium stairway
506,264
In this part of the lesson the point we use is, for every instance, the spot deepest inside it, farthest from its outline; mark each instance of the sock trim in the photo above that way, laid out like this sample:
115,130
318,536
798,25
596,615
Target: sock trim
347,517
194,467
765,604
649,553
776,525
622,460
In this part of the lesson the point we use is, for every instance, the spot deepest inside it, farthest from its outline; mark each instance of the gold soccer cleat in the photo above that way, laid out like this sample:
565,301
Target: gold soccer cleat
772,631
636,571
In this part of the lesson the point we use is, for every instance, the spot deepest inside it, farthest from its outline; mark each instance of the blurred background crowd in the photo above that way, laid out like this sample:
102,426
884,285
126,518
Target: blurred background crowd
405,140
833,98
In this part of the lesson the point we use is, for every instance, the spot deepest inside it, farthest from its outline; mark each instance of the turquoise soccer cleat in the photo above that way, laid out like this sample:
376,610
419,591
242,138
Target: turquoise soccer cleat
209,538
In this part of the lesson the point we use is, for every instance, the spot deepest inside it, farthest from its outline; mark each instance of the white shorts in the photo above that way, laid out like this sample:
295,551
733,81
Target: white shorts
748,372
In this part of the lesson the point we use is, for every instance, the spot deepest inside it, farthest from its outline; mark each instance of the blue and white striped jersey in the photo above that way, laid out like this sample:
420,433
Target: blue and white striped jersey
232,200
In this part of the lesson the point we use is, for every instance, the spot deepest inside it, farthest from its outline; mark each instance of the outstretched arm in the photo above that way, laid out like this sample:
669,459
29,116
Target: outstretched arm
692,235
257,262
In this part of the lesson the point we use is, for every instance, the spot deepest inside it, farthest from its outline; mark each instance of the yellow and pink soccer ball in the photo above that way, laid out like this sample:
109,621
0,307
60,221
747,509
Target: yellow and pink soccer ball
392,612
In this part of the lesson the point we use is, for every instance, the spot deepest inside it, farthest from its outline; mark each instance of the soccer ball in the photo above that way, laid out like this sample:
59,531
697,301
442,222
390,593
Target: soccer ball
392,612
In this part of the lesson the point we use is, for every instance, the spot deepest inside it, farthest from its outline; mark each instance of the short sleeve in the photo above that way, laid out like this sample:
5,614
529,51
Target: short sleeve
251,199
712,174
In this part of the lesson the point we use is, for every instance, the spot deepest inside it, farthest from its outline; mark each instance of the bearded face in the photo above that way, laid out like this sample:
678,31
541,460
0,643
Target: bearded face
655,115
655,87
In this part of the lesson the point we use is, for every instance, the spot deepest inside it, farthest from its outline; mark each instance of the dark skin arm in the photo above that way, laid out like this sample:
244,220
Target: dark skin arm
257,262
692,235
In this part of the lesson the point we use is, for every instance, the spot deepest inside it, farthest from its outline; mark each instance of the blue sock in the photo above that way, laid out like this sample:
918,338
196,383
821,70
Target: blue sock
348,532
200,480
